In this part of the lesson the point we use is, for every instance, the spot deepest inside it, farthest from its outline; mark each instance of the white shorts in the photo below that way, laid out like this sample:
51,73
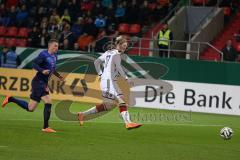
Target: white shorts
110,90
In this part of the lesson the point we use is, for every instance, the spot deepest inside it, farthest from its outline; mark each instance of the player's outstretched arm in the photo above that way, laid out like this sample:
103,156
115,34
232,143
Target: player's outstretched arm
58,75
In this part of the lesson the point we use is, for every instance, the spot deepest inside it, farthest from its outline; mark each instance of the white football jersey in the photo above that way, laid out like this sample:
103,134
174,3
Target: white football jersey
111,61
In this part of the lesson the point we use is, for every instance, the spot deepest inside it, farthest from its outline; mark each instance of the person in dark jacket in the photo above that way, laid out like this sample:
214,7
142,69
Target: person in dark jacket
229,52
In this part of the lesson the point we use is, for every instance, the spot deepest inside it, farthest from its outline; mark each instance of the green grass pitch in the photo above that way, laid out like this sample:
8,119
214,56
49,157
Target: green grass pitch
167,135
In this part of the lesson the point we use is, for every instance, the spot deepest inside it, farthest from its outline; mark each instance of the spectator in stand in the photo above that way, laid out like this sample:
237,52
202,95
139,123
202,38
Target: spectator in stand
54,17
87,5
89,27
100,21
22,16
44,23
106,3
44,38
53,3
84,40
110,15
65,45
73,8
62,25
229,52
33,19
77,28
102,39
120,12
41,13
9,58
3,16
62,5
11,16
97,9
65,16
76,47
34,37
132,12
144,12
67,39
52,27
111,29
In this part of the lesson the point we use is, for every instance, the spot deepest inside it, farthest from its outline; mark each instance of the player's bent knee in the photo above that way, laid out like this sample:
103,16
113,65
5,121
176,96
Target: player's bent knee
104,107
46,99
100,107
109,106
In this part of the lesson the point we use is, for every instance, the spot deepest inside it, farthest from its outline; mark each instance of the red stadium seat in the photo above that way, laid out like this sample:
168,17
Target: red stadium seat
135,28
163,2
2,31
10,3
12,31
199,2
123,28
10,42
22,42
23,32
2,41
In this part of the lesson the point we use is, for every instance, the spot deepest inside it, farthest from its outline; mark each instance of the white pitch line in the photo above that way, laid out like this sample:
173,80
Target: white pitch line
176,124
3,146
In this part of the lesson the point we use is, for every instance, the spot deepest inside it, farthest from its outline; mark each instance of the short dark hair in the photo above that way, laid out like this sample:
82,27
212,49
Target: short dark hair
52,40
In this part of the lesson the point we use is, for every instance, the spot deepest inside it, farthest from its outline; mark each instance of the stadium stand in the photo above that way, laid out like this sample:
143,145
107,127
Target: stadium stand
18,18
231,28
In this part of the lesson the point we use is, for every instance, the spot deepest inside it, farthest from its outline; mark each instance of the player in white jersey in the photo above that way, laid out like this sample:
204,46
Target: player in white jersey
111,61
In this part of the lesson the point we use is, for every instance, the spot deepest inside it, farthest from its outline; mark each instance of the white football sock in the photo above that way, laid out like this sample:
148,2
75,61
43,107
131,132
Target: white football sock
92,110
126,117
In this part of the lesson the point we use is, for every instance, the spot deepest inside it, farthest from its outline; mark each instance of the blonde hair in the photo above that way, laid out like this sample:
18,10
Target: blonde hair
120,40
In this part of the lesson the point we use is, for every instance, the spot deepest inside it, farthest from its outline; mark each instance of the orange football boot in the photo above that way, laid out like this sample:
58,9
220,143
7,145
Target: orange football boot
5,101
48,130
132,125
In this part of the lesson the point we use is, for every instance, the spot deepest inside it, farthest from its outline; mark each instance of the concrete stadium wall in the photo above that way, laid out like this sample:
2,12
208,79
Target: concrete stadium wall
208,32
178,24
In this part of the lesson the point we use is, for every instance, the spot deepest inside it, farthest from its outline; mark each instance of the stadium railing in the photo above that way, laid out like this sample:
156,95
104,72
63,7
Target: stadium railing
136,43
